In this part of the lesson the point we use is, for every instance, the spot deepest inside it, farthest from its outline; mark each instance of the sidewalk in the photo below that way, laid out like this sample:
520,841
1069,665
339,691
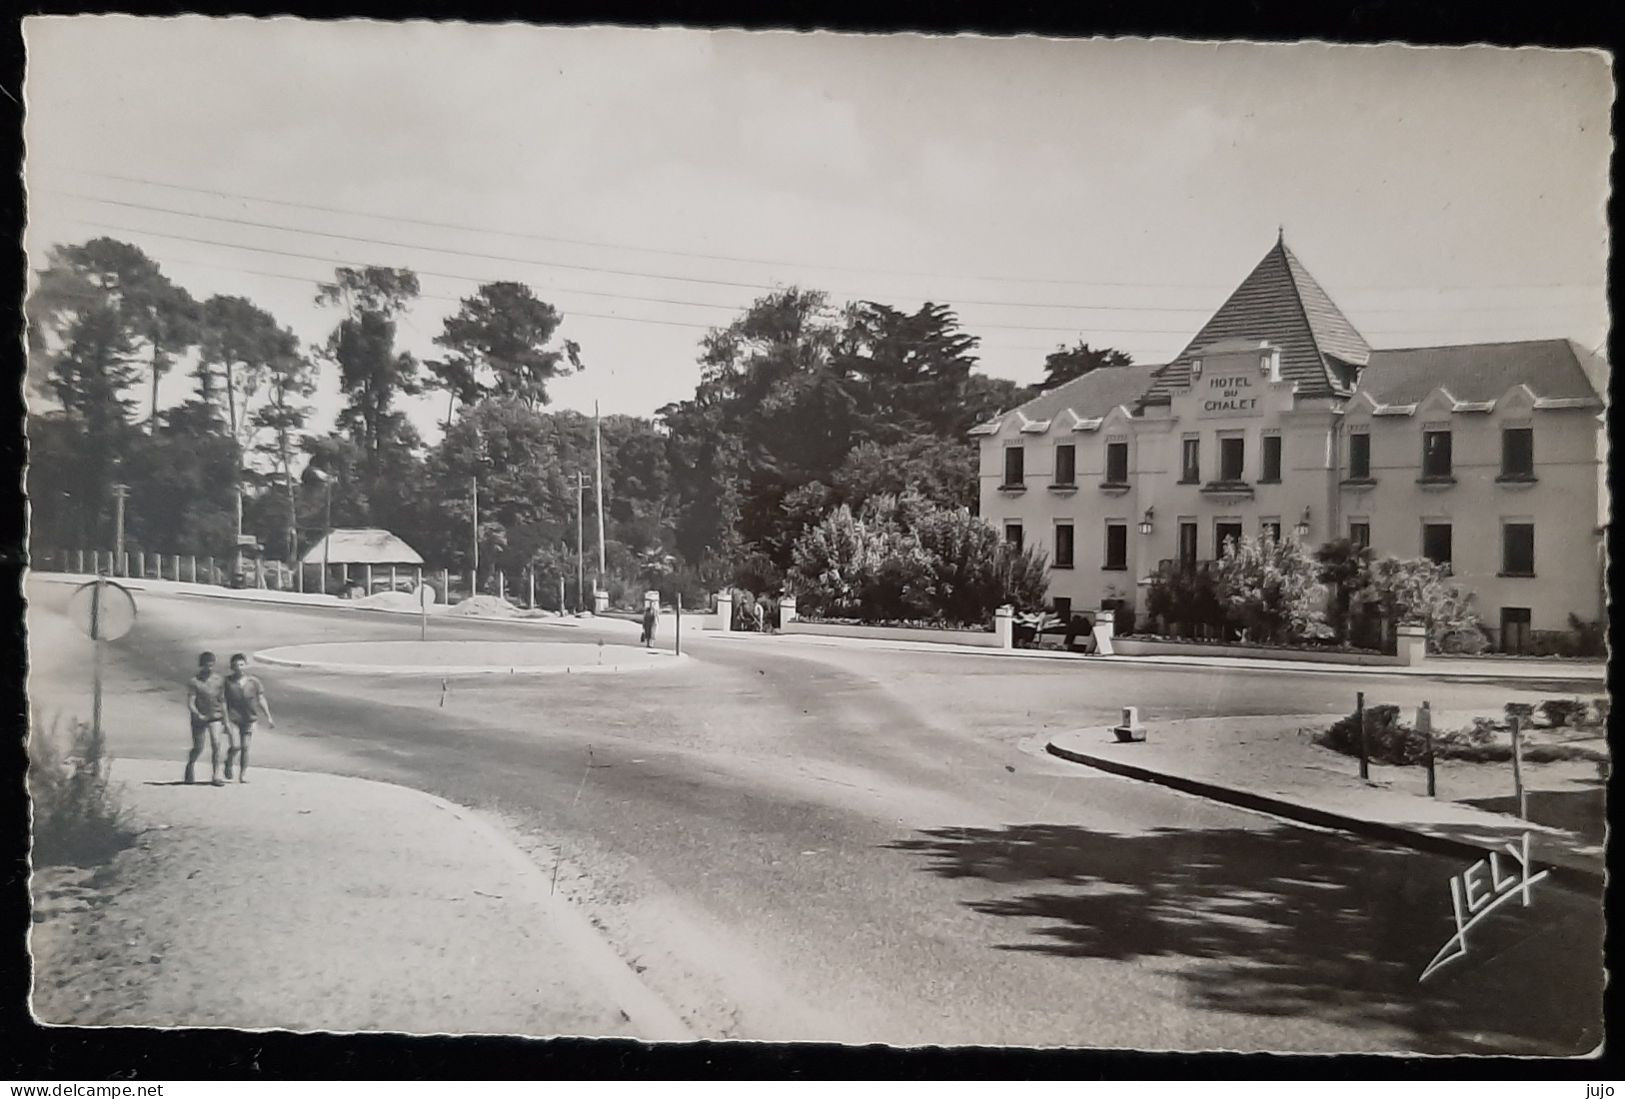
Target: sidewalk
1272,765
1451,669
312,902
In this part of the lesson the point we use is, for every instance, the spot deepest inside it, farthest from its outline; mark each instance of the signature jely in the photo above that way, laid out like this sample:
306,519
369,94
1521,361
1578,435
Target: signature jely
1473,898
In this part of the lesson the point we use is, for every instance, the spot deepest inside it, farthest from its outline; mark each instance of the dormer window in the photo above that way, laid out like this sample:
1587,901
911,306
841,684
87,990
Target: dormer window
1196,368
1269,364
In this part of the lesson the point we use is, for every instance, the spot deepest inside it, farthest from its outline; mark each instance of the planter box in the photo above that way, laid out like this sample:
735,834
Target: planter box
986,639
1130,646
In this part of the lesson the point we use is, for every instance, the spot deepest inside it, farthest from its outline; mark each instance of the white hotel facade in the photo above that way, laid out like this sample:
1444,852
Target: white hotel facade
1278,415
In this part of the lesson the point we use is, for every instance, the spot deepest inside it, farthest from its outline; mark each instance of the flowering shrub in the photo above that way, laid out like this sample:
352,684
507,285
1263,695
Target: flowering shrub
1273,589
903,558
1417,590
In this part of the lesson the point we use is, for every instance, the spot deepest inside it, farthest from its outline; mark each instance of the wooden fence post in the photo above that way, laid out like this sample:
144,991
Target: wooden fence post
1517,767
1424,725
1359,718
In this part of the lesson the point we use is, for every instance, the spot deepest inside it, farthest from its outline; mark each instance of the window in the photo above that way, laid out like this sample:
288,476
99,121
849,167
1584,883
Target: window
1187,544
1191,461
1232,458
1015,465
1360,457
1436,542
1225,531
1272,459
1517,452
1360,534
1117,463
1117,546
1271,529
1063,545
1066,464
1435,454
1518,549
1012,535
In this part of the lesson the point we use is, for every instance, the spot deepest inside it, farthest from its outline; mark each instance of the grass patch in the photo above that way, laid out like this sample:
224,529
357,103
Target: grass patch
1392,742
78,820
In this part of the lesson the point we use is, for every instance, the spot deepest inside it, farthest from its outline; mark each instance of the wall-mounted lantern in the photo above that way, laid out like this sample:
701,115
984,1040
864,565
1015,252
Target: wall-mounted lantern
1302,529
1145,523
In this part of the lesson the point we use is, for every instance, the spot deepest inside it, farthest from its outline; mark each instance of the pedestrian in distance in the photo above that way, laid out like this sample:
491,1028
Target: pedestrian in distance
205,705
651,617
245,701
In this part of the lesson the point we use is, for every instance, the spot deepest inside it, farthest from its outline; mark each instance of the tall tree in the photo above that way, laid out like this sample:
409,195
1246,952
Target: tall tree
911,369
372,373
771,411
155,312
1065,363
290,382
497,346
241,343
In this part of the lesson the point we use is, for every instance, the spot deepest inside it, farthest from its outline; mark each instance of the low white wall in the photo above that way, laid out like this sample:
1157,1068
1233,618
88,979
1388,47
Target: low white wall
982,638
1131,646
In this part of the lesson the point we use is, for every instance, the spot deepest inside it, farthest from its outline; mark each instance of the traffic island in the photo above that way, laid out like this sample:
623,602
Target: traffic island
461,658
1271,765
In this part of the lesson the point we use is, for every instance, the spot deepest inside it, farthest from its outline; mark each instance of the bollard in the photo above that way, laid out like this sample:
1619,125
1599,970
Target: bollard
1130,730
1517,767
81,568
1359,718
1424,725
140,563
191,567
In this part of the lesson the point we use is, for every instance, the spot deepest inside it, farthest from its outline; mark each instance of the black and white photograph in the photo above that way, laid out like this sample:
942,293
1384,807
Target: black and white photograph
702,535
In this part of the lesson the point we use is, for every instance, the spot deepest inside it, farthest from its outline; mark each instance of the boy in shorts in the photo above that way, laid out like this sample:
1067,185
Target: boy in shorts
245,701
205,704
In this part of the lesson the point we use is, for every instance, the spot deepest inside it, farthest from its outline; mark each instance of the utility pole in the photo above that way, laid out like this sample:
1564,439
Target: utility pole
474,573
120,491
327,539
598,488
581,507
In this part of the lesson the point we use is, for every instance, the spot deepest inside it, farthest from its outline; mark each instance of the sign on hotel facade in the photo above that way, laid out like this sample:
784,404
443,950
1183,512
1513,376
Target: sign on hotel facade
1488,457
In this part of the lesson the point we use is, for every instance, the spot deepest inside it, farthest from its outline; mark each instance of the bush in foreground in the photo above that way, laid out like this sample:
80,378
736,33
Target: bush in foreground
77,817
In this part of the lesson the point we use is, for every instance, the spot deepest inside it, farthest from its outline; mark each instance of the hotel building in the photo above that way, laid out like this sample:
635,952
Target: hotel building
1279,416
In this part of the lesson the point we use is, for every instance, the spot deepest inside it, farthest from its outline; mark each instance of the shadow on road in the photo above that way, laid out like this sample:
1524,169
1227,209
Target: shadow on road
1583,812
1289,922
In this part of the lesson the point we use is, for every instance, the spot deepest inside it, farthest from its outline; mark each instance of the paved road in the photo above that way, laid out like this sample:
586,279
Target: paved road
798,841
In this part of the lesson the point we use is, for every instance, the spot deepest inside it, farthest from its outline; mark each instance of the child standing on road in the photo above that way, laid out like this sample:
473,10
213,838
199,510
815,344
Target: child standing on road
245,701
205,704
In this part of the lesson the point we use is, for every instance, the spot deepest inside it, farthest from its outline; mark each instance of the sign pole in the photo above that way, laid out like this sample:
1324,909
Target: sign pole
96,661
678,633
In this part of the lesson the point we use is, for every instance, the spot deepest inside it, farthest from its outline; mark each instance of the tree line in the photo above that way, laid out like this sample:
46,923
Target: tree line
802,407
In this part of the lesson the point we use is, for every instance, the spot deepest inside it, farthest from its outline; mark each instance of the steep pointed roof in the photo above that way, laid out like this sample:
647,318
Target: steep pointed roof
1282,303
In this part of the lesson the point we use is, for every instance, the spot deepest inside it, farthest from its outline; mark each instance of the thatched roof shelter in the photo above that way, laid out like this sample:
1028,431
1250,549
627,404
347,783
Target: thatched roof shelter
362,547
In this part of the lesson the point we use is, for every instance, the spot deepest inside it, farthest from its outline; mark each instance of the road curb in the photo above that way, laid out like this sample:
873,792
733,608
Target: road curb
1429,843
1527,681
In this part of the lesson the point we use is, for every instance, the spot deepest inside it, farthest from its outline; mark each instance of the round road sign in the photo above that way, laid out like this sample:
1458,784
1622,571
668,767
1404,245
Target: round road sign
106,615
425,596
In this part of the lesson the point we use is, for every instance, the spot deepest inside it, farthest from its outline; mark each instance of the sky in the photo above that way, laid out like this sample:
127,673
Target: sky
651,183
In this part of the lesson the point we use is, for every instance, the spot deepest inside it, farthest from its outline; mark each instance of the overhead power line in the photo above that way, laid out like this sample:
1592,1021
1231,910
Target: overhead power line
164,234
1064,332
521,235
460,227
